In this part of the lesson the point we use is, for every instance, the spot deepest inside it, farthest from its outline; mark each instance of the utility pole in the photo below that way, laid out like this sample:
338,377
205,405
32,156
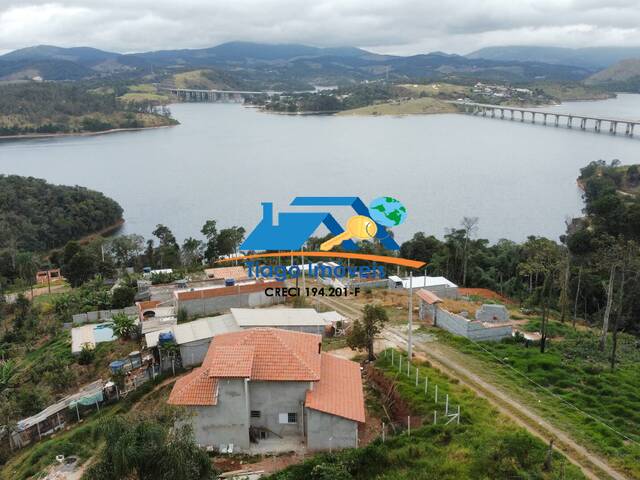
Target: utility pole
410,333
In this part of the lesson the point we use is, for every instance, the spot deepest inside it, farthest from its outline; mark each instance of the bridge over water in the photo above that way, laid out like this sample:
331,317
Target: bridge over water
195,95
584,122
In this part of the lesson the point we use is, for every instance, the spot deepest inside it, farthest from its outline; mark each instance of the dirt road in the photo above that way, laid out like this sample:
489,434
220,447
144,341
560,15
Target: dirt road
445,358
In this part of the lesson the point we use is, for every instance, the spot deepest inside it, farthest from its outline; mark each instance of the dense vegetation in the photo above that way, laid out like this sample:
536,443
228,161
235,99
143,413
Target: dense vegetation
484,446
32,107
36,215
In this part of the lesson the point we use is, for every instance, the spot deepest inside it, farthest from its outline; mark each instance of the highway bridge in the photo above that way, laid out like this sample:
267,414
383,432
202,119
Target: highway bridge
584,122
195,95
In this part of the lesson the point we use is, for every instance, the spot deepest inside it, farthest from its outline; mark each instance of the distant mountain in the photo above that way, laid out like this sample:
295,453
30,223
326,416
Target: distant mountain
623,76
595,58
282,66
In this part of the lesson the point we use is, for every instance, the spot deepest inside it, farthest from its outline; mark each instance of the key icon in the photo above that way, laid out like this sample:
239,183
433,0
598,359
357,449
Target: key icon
358,227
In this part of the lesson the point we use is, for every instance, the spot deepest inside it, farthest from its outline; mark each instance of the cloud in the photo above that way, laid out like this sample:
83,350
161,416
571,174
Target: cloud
390,26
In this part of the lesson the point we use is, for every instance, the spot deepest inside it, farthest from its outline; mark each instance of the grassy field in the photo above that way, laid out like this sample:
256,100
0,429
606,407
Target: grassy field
405,107
485,445
572,385
144,92
435,89
566,92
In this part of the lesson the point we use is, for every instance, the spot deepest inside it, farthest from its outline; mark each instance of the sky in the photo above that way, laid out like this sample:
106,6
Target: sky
400,27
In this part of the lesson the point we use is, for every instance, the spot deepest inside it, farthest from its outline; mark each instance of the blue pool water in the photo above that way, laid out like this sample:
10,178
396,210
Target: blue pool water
103,333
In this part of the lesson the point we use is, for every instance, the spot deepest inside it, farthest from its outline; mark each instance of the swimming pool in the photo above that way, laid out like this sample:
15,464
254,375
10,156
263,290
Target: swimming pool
103,332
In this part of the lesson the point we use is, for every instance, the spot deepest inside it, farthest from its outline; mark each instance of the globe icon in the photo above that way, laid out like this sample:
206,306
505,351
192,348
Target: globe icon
387,211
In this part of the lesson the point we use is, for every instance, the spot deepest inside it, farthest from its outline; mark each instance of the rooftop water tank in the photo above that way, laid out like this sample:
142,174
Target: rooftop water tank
165,337
229,282
116,366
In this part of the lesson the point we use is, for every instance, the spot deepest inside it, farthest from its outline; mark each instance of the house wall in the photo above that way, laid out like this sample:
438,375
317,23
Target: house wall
317,329
458,325
325,431
193,353
208,306
224,423
273,398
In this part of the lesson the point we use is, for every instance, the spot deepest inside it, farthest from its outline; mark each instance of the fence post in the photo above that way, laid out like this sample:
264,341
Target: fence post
435,417
392,357
426,384
458,419
436,397
409,425
408,367
400,364
446,405
383,431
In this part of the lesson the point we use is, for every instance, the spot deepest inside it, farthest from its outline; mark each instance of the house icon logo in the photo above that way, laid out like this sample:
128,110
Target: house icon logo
292,229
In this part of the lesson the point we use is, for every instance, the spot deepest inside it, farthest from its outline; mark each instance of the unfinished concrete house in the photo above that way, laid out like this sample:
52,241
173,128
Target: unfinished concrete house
267,390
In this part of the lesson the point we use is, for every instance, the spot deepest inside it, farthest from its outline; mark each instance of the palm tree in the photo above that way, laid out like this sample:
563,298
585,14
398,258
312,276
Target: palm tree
123,325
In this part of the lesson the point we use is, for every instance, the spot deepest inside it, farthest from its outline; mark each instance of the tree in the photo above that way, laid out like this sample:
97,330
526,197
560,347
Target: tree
363,332
125,249
123,296
191,252
27,264
469,225
168,251
149,448
210,231
229,239
123,325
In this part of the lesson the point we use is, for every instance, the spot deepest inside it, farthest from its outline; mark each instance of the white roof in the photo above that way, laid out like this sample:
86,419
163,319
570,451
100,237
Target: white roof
200,329
395,278
332,317
276,317
428,282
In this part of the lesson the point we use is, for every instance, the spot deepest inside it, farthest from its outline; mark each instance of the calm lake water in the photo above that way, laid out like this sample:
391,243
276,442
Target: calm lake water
223,160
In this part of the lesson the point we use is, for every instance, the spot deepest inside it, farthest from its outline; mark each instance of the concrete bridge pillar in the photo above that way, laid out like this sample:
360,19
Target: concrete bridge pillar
569,121
583,123
493,113
511,114
557,120
613,127
502,113
598,124
484,111
544,119
522,115
533,117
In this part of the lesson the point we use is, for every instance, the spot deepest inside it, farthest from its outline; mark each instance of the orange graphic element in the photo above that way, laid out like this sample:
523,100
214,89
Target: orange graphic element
358,256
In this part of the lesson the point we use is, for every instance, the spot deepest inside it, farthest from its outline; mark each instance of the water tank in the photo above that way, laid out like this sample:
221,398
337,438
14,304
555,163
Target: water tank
165,337
229,282
116,366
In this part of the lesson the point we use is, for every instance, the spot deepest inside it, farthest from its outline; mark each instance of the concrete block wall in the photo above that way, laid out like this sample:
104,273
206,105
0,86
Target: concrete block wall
224,423
102,315
329,432
458,325
273,398
492,313
209,306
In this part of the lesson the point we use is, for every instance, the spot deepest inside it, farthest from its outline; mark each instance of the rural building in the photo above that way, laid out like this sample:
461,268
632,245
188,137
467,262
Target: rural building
495,329
193,338
47,276
219,298
439,285
269,389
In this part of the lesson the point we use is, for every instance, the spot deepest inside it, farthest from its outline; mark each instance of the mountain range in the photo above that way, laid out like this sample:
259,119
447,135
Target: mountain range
262,65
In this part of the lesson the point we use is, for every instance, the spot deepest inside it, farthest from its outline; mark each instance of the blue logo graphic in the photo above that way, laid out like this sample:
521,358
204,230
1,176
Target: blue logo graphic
293,229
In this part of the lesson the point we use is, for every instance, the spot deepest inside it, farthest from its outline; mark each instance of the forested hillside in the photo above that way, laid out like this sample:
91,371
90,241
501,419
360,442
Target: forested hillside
36,215
31,107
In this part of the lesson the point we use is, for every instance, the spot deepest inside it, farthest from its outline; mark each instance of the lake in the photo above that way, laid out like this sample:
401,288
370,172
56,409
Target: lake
224,159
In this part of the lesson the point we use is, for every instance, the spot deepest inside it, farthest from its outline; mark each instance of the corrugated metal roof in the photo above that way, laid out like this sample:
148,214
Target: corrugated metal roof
276,317
196,330
418,282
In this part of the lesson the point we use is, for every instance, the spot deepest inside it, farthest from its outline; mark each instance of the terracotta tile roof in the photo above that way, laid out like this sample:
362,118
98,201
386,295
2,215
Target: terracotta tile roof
195,388
339,391
428,296
279,355
226,272
231,362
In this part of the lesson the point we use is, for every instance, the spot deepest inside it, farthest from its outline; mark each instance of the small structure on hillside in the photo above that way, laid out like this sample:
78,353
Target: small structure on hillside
48,276
495,328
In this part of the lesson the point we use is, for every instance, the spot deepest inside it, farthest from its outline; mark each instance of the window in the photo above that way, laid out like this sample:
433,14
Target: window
255,413
287,418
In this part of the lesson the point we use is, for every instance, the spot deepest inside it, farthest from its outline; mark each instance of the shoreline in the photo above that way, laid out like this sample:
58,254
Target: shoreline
106,231
32,136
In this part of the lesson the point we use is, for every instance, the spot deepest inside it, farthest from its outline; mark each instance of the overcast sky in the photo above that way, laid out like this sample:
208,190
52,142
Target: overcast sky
389,26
